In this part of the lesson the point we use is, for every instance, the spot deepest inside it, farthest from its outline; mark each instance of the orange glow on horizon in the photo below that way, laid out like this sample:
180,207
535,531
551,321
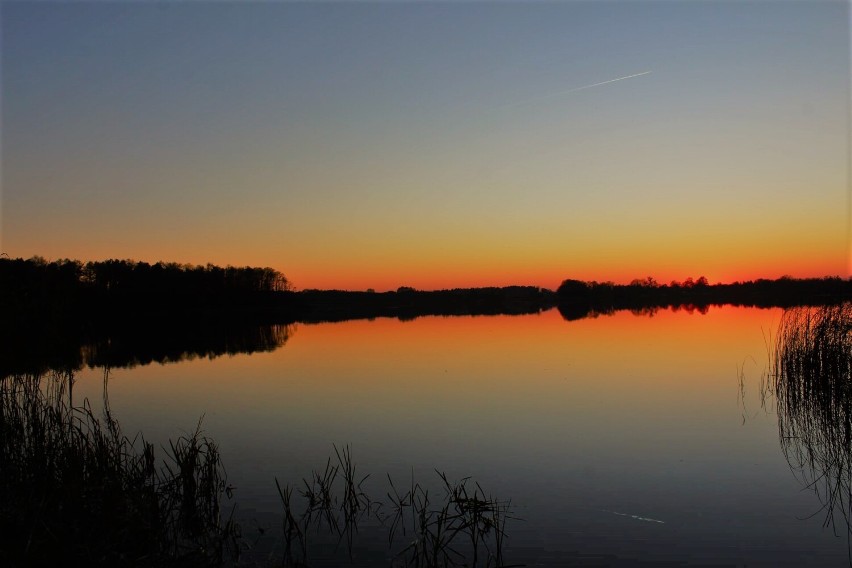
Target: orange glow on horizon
430,268
551,279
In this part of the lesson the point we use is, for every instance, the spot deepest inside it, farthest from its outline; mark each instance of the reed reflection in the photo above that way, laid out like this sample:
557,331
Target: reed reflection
812,382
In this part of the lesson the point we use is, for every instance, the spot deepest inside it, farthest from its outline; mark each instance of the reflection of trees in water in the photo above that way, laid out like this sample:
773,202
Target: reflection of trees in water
166,345
812,383
578,311
138,343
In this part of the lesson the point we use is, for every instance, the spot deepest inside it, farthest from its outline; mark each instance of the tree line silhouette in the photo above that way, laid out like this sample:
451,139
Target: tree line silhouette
113,289
577,298
406,303
129,312
35,285
65,314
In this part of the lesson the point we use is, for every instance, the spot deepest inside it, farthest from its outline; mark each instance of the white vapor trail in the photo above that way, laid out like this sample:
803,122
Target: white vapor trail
574,90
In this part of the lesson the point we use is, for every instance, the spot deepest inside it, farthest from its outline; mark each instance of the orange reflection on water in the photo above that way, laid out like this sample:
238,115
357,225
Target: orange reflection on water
467,385
502,348
492,349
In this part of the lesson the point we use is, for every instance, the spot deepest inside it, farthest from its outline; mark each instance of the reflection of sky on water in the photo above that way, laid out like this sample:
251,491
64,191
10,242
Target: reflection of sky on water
589,426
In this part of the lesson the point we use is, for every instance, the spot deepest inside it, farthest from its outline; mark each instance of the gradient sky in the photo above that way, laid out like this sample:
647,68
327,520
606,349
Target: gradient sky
429,144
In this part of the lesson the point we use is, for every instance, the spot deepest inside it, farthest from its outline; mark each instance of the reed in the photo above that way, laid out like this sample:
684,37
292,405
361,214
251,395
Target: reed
462,527
811,377
292,529
75,489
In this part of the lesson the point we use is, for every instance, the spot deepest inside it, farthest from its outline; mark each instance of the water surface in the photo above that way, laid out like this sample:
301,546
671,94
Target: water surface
622,440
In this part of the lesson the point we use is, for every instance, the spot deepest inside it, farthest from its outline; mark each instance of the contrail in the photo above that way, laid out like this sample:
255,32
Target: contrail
574,90
599,84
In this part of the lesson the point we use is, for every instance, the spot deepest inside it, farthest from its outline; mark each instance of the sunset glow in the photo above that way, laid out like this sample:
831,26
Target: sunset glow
432,145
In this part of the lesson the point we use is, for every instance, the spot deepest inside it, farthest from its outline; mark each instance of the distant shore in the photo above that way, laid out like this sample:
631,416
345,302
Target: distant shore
36,289
125,313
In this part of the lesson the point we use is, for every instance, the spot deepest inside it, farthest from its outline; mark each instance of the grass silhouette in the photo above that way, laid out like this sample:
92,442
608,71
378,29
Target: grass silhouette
75,489
459,525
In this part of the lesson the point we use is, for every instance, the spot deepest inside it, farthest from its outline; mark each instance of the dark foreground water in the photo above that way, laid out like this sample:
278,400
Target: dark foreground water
622,440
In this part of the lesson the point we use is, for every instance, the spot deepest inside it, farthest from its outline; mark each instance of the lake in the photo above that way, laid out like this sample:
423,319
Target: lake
621,440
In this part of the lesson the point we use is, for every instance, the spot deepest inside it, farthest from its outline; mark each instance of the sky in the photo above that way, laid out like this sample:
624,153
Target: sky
431,144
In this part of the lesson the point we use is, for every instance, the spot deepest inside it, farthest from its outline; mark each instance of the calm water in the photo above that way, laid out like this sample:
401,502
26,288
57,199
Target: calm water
622,440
